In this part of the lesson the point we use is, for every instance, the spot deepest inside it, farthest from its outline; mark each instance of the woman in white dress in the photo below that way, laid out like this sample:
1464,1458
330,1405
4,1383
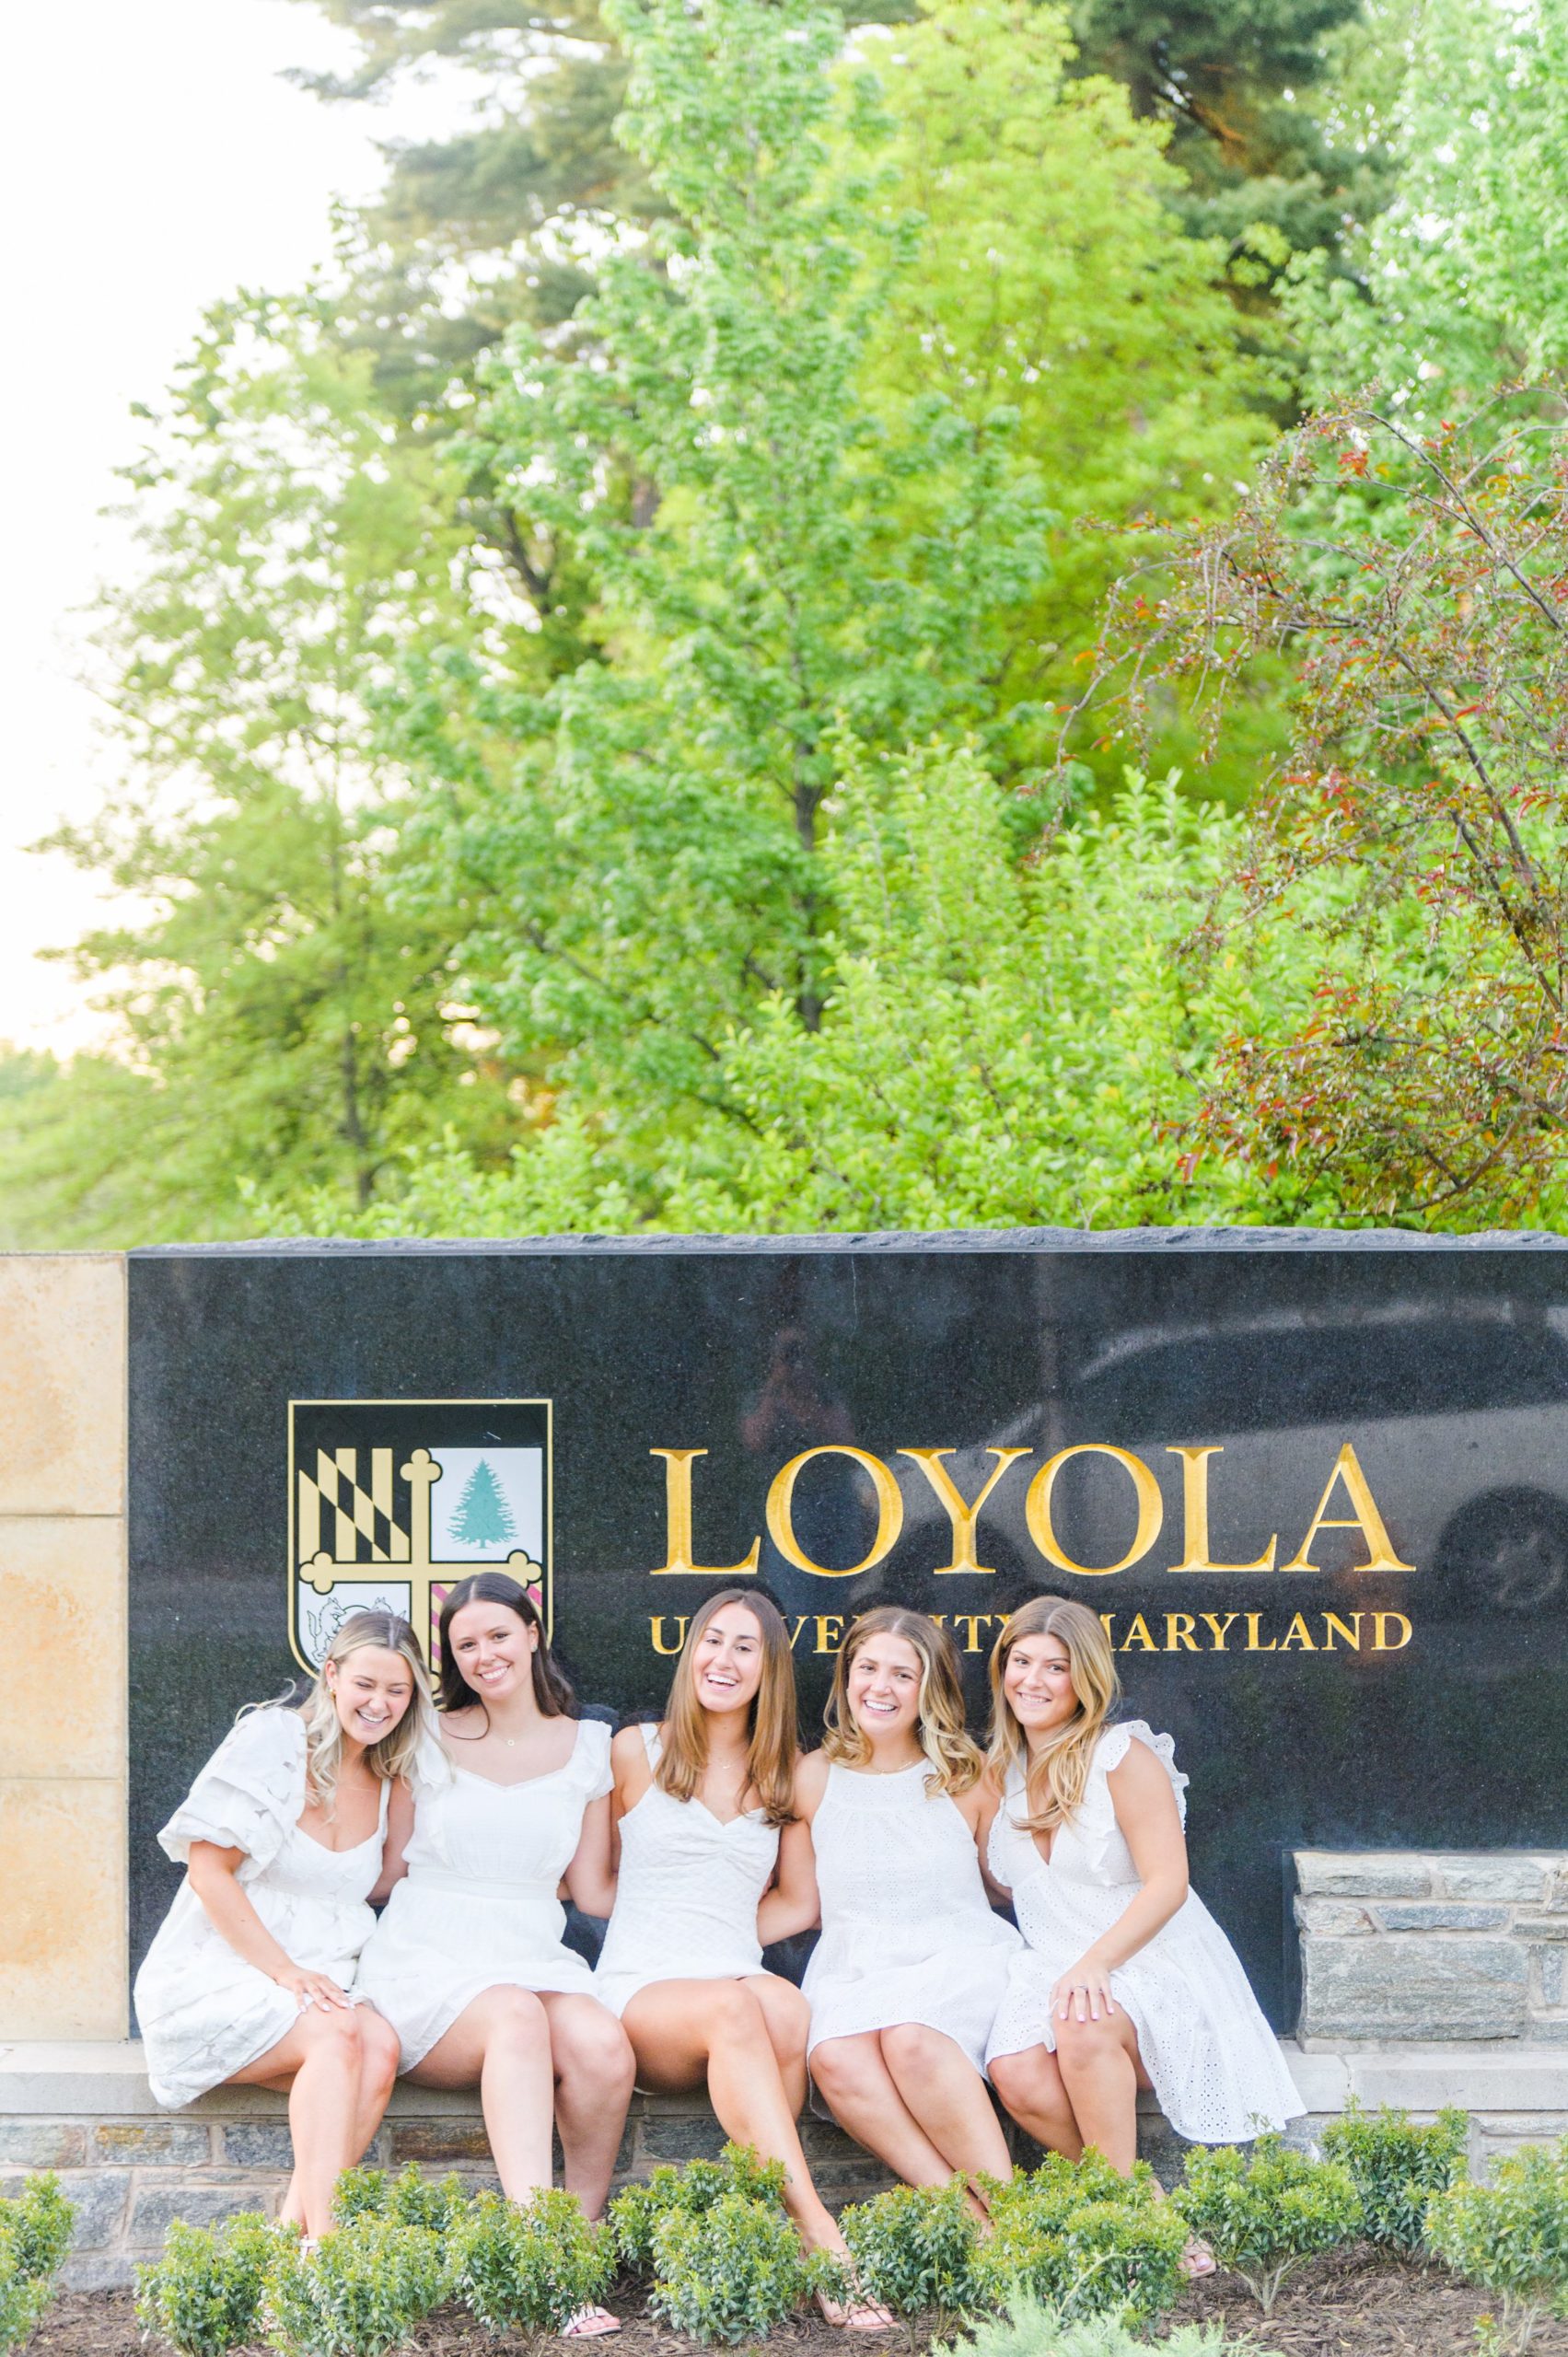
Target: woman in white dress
912,1962
1127,1981
713,1865
468,1962
281,1837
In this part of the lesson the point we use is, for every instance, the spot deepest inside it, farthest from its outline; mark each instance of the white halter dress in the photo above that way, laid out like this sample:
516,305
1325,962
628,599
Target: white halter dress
204,2011
479,1907
687,1897
908,1932
1214,2059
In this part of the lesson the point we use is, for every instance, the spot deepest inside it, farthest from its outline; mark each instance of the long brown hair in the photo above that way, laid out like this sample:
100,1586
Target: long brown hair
773,1734
956,1762
551,1690
1054,1776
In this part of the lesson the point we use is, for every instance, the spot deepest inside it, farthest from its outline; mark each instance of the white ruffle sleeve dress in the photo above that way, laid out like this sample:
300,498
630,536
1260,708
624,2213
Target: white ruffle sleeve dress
478,1908
1216,2066
204,2011
908,1932
687,1894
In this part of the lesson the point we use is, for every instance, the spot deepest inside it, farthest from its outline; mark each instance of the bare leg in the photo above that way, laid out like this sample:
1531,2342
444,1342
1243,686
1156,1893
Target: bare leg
1101,2072
321,2062
1030,2085
593,2074
500,2043
788,2018
854,2077
945,2093
378,2069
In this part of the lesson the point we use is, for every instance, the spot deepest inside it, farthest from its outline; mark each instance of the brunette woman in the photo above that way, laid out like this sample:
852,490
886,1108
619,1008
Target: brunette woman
714,1863
912,1962
468,1962
1126,1980
282,1838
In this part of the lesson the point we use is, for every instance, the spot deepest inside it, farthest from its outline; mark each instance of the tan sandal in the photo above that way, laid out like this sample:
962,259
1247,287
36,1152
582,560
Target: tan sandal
588,2324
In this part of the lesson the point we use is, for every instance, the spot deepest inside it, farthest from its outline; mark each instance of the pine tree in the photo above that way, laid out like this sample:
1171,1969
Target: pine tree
483,1518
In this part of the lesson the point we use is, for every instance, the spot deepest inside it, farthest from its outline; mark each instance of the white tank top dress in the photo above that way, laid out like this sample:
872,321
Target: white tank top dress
1214,2059
478,1908
908,1932
204,2011
687,1897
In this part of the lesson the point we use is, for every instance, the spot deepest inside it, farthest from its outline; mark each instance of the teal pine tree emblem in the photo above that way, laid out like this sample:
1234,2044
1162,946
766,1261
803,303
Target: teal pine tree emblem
483,1518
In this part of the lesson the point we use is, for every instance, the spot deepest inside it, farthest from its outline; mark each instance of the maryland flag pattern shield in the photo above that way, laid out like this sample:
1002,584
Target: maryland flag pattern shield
391,1501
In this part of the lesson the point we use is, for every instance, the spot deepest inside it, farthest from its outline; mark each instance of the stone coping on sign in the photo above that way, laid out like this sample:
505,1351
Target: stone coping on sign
85,2110
952,1239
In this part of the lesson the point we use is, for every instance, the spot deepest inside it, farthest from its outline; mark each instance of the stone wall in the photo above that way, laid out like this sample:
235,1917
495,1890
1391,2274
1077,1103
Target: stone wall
1433,1944
62,1776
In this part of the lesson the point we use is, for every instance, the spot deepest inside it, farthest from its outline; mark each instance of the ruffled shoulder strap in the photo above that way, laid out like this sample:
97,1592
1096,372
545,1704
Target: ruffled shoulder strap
1112,1748
431,1771
591,1758
250,1793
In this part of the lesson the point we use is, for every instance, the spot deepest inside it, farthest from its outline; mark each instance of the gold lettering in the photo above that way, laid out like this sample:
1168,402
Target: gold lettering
1107,1621
1296,1635
973,1623
1364,1516
1179,1632
962,1518
1151,1510
826,1621
1195,1516
1254,1642
780,1498
1351,1636
656,1630
1219,1628
1138,1635
800,1620
1379,1640
678,1522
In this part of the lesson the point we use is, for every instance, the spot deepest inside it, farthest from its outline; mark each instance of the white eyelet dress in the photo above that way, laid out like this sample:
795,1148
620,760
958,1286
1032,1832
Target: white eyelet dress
908,1932
1216,2066
478,1908
204,2011
687,1897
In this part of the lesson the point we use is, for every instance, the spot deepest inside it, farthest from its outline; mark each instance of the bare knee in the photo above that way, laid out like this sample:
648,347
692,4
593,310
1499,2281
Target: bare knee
840,2069
1030,2081
788,2020
517,2021
589,2043
733,2016
911,2046
1080,2043
334,2031
378,2041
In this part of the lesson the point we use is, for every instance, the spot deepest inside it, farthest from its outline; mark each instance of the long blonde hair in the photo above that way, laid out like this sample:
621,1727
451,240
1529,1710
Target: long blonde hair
393,1756
956,1762
773,1724
1055,1776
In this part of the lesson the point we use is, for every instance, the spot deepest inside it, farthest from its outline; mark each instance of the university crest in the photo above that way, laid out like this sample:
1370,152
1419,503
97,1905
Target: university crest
392,1501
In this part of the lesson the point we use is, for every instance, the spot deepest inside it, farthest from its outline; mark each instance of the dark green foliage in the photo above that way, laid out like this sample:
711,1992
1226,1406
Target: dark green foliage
528,2267
730,2272
916,2250
1265,2211
204,2295
407,2199
35,2233
696,2187
1080,2238
362,2292
1511,2236
1398,2165
1029,2329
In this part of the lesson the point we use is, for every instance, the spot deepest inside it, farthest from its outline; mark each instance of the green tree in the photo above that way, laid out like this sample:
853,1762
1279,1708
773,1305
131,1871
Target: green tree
483,1518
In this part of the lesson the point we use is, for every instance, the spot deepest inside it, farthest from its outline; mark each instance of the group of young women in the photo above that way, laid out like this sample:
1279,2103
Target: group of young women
704,1840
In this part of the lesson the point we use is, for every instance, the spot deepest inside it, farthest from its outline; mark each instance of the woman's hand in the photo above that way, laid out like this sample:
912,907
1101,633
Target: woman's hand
310,1988
1083,1993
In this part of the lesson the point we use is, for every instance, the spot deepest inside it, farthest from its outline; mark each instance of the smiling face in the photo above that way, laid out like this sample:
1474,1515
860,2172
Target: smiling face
371,1689
1038,1681
727,1659
493,1648
882,1687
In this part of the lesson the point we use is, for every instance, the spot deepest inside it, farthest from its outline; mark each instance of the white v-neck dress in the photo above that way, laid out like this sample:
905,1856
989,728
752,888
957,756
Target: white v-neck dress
1214,2059
687,1896
908,1932
478,1908
204,2011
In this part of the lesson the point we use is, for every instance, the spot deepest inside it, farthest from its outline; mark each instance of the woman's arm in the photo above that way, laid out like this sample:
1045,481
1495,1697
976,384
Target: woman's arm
1151,1825
399,1830
211,1872
791,1904
979,1809
590,1877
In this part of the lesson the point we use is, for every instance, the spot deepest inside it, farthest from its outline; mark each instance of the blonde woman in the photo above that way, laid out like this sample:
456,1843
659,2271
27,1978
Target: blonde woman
714,1864
281,1838
912,1963
1126,1980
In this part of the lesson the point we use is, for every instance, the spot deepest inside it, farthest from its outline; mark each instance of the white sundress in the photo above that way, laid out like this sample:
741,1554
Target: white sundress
687,1896
204,2011
1213,2058
479,1907
908,1932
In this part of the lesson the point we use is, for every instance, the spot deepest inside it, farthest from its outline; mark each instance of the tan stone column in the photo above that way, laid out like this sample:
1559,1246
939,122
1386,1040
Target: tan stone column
63,1665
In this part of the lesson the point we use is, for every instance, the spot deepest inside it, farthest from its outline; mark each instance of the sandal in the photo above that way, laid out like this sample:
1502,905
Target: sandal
856,2315
586,2324
1197,2260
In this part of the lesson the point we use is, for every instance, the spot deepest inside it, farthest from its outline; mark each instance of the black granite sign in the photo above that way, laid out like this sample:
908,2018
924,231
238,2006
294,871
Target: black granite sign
1317,1486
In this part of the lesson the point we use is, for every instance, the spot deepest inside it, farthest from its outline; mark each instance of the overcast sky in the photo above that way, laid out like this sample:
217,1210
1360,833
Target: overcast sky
151,160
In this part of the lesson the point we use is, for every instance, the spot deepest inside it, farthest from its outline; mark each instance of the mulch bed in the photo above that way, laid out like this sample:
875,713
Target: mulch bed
1354,2304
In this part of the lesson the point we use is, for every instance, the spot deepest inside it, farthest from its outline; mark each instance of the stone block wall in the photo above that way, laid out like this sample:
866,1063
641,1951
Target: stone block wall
1433,1944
